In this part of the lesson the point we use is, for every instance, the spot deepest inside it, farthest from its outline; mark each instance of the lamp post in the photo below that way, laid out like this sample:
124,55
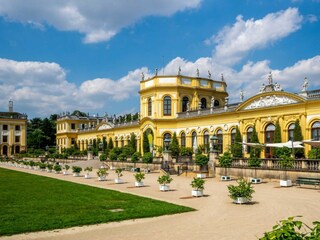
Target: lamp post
166,153
213,154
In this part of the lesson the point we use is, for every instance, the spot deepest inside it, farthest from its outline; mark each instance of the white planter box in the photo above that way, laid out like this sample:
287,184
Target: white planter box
65,173
118,180
76,174
57,172
102,178
138,184
225,178
87,176
201,175
164,188
197,193
49,170
285,183
256,180
241,200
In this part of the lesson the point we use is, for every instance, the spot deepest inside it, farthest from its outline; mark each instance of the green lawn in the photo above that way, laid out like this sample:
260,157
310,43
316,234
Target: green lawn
33,203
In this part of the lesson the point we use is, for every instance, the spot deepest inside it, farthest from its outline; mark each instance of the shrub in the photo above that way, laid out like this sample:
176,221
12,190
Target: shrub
225,160
102,172
76,169
49,166
103,157
197,184
286,162
201,160
147,158
42,165
57,168
66,167
174,146
139,176
244,189
135,157
88,169
186,151
113,156
165,179
314,153
122,157
119,172
254,162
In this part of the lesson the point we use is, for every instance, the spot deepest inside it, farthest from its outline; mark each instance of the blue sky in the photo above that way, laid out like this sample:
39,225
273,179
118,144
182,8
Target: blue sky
58,56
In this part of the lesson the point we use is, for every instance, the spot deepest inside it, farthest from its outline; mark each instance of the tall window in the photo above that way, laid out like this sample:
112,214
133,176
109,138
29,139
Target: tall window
269,138
4,139
206,141
167,106
216,103
220,141
233,136
290,131
185,101
5,127
249,137
149,107
165,136
73,126
203,103
315,131
17,127
194,140
17,139
183,139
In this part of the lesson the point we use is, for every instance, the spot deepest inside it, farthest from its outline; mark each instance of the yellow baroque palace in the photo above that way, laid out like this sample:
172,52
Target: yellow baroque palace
196,108
13,132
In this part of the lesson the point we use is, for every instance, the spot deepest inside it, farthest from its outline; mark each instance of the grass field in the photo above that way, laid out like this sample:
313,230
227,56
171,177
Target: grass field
33,203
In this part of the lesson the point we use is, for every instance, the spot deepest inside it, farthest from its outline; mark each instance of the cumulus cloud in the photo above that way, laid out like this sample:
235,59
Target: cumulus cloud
234,42
99,20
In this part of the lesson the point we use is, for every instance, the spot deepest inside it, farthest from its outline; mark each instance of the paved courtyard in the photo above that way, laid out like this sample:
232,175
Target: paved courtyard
216,216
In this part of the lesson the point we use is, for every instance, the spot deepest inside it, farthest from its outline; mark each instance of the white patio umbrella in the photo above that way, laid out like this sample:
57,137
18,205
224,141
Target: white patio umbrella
288,144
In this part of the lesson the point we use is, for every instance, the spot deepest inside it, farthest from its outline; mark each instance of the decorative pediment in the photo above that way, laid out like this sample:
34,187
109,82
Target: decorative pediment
104,126
270,101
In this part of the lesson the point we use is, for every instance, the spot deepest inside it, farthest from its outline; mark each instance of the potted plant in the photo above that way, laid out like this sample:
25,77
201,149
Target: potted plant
255,162
32,164
118,180
76,171
198,186
102,174
66,168
42,166
57,168
139,176
163,181
87,170
242,193
225,161
285,162
201,160
49,167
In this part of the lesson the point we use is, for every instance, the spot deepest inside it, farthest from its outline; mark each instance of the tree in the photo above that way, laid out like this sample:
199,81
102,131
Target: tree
277,137
174,146
146,146
297,136
110,144
78,113
255,151
133,141
104,144
236,147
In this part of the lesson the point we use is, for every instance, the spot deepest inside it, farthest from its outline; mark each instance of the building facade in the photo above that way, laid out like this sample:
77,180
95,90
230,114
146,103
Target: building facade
13,132
196,108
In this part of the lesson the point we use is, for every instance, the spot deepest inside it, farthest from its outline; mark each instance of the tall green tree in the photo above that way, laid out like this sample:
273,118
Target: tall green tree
277,137
236,147
133,142
297,136
110,144
104,144
145,144
255,151
174,146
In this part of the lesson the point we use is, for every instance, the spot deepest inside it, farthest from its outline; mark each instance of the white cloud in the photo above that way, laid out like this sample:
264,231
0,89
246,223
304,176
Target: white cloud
311,18
234,42
99,20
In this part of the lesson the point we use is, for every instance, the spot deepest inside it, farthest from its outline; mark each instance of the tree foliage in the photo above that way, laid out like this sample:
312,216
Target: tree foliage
236,147
145,144
297,136
174,146
255,151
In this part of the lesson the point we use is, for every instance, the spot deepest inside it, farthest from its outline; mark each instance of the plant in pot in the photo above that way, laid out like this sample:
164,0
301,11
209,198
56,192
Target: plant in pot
139,176
118,180
32,164
57,168
255,163
102,174
198,185
202,161
242,193
87,170
76,171
285,163
49,167
163,181
42,166
66,168
225,161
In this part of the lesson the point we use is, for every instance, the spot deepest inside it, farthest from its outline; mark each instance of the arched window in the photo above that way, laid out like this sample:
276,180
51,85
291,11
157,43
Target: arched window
220,141
194,140
206,141
290,132
149,107
167,106
249,137
185,101
165,136
269,138
233,136
216,103
203,103
183,139
315,131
